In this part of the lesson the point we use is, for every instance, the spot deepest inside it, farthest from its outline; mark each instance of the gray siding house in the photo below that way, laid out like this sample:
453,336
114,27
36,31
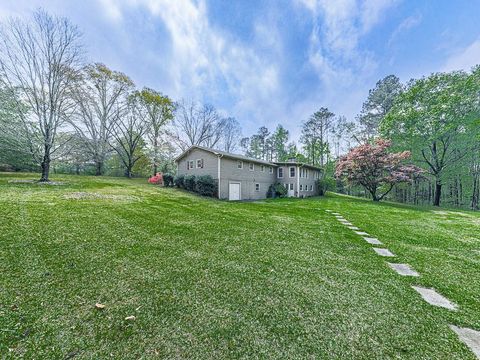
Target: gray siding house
243,178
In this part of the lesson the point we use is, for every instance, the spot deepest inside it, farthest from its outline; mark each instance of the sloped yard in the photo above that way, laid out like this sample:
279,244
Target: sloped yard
211,279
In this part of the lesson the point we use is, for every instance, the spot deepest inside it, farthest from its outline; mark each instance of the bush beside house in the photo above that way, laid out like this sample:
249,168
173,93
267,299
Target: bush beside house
276,190
204,185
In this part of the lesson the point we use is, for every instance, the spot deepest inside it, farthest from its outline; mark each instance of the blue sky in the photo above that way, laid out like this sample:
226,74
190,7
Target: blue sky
270,62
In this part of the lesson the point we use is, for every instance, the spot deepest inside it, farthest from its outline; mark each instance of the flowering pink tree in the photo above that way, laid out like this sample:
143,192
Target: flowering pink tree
374,168
156,179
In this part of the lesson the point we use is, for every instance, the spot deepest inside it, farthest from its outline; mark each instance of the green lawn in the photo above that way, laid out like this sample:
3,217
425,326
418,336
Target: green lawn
212,279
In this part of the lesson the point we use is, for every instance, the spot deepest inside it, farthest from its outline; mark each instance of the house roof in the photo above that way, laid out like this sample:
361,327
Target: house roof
287,163
244,158
225,154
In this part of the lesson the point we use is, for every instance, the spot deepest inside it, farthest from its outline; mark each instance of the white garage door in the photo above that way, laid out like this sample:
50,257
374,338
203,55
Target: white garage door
234,191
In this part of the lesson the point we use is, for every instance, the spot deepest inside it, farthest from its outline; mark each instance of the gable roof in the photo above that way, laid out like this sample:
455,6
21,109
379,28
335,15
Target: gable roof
224,154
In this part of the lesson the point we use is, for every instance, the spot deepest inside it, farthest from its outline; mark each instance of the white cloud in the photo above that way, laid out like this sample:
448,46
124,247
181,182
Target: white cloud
407,24
206,61
334,42
465,58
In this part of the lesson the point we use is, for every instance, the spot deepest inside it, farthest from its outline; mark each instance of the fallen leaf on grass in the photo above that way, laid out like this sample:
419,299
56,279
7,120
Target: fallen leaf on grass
99,306
131,318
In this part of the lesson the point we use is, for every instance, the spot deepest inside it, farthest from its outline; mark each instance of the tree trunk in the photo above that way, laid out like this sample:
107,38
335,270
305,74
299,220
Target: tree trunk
475,193
45,166
128,172
98,168
438,193
155,169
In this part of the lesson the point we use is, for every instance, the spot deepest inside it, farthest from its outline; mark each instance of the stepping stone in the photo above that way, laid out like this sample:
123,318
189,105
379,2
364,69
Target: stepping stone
403,269
383,252
470,337
363,233
373,241
347,223
434,298
336,214
328,210
353,228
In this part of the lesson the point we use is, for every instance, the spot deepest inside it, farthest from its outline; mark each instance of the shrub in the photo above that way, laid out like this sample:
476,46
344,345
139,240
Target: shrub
168,180
325,185
156,179
179,181
276,190
205,185
190,182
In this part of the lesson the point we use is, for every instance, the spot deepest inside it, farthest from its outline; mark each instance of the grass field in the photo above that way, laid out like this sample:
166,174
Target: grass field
211,279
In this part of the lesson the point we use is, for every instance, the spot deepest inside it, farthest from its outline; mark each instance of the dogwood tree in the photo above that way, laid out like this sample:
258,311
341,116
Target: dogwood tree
374,168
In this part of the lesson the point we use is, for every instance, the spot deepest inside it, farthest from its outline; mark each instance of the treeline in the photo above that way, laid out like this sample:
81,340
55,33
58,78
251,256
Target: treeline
57,112
436,118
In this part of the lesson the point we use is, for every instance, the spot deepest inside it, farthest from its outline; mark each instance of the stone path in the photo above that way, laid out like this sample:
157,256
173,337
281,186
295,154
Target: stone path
383,252
434,298
403,269
373,241
469,336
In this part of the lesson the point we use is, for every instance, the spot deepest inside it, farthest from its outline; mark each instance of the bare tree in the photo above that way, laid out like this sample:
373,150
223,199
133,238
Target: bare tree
159,111
130,126
40,59
99,97
231,134
196,125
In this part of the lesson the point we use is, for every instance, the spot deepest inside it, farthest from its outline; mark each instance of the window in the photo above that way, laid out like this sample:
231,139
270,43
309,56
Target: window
257,187
199,163
251,166
270,170
280,172
306,173
240,164
189,164
301,187
291,186
292,172
311,187
262,168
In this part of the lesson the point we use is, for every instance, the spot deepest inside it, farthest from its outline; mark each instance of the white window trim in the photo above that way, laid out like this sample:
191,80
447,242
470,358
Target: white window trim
290,171
257,185
239,162
251,166
191,164
199,167
270,171
301,187
262,168
278,173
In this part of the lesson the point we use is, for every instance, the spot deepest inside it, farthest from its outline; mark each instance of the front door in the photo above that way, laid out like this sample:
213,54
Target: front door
234,191
291,193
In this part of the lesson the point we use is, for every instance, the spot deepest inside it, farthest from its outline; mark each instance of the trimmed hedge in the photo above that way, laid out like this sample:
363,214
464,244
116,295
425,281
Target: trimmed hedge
205,185
167,180
276,190
190,182
179,181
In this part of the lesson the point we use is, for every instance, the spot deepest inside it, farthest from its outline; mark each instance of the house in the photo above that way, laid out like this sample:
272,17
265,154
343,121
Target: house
243,178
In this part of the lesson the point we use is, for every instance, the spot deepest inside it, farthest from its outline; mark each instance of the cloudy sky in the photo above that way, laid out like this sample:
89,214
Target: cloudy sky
270,62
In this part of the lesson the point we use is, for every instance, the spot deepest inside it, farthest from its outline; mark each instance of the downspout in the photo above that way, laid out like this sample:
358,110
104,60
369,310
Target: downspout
218,172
